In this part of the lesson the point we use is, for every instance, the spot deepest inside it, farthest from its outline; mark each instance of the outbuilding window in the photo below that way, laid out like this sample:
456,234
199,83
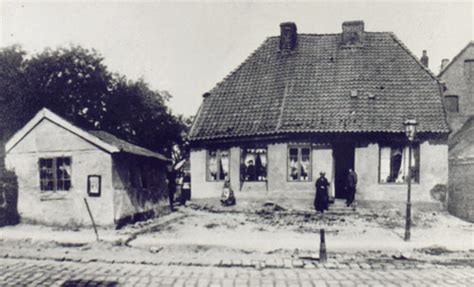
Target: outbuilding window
254,164
55,173
394,164
217,164
299,164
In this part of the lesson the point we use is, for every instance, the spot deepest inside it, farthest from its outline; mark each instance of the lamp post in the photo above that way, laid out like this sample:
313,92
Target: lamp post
410,131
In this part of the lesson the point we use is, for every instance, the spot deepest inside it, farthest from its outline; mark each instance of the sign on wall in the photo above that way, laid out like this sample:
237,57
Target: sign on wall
93,185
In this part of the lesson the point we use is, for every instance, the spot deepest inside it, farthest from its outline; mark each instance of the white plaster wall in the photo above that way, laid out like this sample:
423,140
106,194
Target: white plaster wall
433,170
277,173
200,187
63,207
321,158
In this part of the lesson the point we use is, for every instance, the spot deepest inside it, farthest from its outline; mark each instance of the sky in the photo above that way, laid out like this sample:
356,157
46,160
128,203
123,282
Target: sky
186,48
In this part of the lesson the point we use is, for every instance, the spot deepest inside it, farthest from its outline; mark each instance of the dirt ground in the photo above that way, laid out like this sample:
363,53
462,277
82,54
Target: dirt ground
204,232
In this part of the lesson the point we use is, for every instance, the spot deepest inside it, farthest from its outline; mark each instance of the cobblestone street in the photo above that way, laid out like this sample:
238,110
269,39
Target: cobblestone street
24,272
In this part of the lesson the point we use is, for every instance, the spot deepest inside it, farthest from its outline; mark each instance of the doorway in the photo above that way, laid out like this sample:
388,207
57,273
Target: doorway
343,154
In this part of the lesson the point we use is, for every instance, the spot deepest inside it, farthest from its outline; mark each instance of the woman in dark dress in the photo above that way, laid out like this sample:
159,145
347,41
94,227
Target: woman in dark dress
321,201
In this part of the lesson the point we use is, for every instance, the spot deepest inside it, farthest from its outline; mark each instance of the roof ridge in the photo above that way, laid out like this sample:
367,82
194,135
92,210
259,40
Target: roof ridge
399,42
333,34
470,43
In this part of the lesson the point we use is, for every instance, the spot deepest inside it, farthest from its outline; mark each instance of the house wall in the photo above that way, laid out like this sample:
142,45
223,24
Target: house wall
433,170
130,200
461,188
458,84
62,207
276,172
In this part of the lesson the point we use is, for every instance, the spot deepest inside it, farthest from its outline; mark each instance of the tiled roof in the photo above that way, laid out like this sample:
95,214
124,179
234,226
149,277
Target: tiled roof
125,146
309,90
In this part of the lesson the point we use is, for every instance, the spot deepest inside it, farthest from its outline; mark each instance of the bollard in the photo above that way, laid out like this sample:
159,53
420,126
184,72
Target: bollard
323,257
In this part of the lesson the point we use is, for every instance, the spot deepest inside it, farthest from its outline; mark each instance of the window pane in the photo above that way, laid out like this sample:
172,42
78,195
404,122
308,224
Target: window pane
46,174
305,164
254,164
212,165
293,164
394,164
385,164
261,164
224,165
63,173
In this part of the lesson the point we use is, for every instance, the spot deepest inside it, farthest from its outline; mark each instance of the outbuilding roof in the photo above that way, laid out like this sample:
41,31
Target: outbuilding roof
101,139
323,87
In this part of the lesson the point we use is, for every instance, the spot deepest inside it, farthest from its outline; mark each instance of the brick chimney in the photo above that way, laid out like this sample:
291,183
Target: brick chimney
424,59
444,63
288,36
353,33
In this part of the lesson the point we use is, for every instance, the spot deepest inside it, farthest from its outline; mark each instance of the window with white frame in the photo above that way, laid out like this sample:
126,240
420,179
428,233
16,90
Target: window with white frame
394,164
217,164
254,164
299,163
55,173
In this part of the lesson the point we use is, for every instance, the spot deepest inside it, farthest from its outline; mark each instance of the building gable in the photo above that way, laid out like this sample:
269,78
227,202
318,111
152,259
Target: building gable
52,118
47,137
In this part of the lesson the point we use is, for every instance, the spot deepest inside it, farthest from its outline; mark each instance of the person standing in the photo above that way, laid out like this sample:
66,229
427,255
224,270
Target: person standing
321,200
351,186
171,177
186,189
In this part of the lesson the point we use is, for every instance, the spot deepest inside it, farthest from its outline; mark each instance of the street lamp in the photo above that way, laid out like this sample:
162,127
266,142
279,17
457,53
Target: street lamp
410,131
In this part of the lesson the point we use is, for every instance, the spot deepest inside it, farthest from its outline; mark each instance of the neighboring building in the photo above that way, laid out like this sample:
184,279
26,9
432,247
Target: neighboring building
461,171
458,77
59,164
305,103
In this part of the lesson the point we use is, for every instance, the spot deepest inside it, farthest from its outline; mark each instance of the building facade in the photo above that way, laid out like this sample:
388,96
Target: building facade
302,104
58,165
458,77
461,169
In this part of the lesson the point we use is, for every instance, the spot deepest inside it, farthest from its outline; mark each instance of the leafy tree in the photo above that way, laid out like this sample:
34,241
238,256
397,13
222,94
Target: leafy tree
72,82
16,101
75,83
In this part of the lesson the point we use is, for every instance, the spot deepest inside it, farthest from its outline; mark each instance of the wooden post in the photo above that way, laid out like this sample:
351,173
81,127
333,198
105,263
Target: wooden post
323,257
92,219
